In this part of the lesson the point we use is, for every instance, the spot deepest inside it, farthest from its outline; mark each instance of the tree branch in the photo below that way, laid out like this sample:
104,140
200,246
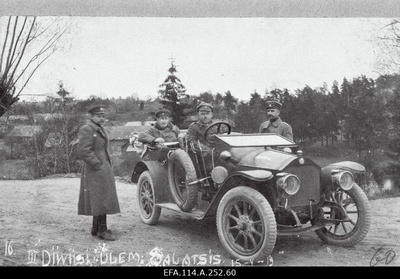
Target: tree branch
9,50
17,68
31,74
19,54
5,74
4,46
11,82
16,42
49,44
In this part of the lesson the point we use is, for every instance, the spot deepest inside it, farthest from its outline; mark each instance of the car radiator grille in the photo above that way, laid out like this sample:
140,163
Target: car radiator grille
309,185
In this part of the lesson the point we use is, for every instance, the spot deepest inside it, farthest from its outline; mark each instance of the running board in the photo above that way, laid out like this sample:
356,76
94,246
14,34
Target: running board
195,213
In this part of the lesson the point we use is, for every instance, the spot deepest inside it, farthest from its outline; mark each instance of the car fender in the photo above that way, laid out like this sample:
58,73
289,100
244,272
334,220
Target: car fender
238,178
256,175
159,173
353,167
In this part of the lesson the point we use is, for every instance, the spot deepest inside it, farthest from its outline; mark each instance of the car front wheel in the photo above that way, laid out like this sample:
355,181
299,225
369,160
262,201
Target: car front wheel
351,218
149,212
246,224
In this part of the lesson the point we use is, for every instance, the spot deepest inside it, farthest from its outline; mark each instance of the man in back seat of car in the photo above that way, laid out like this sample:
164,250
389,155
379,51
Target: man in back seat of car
162,131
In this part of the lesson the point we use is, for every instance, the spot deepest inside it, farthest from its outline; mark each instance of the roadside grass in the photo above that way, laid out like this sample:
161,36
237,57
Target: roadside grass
14,170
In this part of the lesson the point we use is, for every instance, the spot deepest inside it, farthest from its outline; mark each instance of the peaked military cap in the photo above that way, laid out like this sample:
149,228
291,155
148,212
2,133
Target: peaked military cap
205,106
99,109
273,104
163,112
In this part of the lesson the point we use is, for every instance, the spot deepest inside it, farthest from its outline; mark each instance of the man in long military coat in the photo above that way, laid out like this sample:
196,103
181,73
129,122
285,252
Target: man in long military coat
98,194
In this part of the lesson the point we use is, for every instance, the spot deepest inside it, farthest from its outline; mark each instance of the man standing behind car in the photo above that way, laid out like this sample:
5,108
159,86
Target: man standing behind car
98,194
274,124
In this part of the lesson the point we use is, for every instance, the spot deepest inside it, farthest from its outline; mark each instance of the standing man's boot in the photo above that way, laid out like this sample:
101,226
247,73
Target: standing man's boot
95,226
104,233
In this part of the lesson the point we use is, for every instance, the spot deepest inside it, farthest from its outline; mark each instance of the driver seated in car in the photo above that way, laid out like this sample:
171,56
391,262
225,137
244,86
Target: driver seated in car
162,131
195,133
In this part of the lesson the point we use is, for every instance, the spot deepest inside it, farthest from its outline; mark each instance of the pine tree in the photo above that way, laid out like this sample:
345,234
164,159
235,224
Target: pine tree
230,102
172,94
255,100
64,99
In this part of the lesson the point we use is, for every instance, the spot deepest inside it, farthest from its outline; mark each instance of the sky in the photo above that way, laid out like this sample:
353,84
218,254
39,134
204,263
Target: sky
130,56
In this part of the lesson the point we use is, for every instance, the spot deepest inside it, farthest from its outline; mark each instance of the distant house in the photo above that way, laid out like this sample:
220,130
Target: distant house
22,133
19,135
119,137
149,123
134,123
46,116
16,119
7,121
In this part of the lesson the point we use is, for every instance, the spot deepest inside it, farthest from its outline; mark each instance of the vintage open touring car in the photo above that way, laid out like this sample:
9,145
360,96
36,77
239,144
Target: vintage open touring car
254,189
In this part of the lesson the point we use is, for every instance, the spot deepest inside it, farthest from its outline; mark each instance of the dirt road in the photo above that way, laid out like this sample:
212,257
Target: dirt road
39,226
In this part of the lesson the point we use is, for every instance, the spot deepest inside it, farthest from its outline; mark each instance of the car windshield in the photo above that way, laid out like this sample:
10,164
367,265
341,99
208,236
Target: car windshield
254,140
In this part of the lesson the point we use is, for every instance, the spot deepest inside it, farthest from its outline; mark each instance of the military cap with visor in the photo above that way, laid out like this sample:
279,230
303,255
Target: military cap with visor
163,113
100,109
273,104
203,106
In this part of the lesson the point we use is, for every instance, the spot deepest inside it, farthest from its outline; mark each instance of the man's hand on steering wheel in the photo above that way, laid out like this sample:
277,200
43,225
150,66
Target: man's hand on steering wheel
216,128
158,142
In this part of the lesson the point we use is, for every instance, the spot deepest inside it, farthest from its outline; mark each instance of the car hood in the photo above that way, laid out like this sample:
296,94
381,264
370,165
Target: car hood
261,158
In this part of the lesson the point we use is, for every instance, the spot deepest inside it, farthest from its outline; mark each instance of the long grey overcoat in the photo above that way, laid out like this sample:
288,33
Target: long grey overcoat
98,194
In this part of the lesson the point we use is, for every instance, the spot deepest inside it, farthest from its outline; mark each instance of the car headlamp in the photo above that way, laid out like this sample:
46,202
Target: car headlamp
218,174
289,183
342,179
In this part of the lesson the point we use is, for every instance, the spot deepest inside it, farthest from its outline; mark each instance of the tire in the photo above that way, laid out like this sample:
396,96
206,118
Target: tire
348,234
181,172
149,212
246,225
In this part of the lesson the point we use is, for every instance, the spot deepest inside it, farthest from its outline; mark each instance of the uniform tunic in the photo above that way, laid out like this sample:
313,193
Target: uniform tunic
98,194
196,133
278,126
169,134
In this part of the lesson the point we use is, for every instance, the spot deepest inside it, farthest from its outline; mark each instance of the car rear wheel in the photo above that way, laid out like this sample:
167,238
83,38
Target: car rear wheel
246,224
181,172
149,212
351,220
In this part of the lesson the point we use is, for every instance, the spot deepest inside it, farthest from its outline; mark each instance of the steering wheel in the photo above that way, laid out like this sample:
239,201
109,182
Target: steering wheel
215,129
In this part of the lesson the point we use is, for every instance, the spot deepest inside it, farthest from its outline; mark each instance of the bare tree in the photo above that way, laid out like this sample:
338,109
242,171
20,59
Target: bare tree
25,44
